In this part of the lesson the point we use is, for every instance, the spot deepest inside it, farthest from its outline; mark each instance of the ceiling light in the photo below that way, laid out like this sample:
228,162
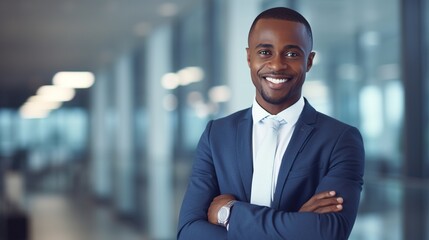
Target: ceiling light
44,102
190,75
220,94
32,114
56,93
33,110
74,79
170,81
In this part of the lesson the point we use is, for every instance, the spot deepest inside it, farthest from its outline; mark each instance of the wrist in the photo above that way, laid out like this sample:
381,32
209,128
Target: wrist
224,213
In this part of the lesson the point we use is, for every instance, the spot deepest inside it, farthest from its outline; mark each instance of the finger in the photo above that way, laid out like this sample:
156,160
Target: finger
327,194
320,203
328,202
322,195
329,209
318,197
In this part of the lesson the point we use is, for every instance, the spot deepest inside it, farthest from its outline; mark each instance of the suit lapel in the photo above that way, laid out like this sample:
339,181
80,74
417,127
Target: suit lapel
244,152
300,136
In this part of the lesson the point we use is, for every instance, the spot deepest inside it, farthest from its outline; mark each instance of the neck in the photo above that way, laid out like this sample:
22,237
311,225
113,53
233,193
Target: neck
274,108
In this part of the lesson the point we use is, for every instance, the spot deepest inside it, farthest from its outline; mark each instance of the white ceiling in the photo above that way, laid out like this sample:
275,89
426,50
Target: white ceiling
39,38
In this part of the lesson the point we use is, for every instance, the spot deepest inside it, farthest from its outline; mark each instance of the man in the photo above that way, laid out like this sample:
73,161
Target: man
314,179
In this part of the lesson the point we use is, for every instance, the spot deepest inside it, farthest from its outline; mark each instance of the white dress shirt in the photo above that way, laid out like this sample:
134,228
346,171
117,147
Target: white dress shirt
290,115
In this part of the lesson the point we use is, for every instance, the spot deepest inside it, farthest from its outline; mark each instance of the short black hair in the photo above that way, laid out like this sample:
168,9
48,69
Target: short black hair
283,13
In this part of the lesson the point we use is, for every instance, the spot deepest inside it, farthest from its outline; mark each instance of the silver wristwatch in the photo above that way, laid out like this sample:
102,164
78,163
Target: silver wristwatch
224,213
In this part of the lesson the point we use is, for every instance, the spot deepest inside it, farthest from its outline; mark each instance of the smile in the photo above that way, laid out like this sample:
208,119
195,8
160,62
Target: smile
276,80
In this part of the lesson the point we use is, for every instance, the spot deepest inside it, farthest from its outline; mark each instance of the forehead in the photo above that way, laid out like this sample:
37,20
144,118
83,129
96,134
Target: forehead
279,32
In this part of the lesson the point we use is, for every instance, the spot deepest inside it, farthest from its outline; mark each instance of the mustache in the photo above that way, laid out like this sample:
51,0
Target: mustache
280,73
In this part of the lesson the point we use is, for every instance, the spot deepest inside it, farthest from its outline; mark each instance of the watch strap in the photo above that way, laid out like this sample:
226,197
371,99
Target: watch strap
230,203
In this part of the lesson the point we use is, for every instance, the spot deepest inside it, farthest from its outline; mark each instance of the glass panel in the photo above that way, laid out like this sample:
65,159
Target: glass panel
199,42
356,78
6,132
427,110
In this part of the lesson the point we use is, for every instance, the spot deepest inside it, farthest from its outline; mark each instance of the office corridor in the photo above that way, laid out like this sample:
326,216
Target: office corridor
106,101
59,217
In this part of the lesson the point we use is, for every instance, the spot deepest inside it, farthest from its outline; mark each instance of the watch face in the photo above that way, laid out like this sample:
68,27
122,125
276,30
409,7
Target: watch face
223,214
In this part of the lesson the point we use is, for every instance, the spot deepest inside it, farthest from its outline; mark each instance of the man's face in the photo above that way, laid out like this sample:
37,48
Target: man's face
279,55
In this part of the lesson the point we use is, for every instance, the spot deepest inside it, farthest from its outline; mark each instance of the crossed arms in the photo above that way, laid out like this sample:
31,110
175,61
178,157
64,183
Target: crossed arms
324,202
328,213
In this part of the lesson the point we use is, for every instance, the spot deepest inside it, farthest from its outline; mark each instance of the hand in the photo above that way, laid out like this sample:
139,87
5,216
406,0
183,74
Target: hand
324,202
216,204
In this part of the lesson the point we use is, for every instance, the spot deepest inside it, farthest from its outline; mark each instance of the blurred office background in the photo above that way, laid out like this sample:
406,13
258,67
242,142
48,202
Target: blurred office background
113,161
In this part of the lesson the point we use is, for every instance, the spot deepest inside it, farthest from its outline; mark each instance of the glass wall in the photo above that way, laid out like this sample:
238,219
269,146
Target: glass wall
426,77
426,100
371,72
357,79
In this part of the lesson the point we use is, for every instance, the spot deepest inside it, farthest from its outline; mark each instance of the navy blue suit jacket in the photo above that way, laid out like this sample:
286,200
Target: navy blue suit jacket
323,154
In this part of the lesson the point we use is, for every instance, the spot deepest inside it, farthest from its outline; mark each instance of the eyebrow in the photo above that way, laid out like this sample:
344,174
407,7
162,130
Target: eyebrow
264,45
267,45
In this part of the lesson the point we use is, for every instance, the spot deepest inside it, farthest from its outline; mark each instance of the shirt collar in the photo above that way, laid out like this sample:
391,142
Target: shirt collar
290,114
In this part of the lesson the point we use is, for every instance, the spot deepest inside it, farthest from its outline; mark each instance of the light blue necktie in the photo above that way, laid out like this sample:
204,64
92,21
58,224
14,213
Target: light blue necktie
263,164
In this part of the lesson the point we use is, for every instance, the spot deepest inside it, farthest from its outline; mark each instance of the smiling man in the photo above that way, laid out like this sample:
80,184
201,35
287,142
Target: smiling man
280,169
279,55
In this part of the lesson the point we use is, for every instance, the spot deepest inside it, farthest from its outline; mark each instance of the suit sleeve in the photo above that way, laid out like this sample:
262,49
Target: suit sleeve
345,173
202,188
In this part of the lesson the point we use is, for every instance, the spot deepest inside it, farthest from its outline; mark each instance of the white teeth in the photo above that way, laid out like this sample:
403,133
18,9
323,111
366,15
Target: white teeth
276,80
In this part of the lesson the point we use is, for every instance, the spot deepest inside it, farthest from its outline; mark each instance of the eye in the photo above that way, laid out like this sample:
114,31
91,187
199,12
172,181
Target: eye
264,52
291,54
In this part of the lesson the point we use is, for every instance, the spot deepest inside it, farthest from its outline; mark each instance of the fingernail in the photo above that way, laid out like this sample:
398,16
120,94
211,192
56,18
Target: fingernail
340,200
332,193
340,206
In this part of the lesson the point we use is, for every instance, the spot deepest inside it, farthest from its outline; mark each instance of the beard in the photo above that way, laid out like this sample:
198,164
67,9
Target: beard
272,100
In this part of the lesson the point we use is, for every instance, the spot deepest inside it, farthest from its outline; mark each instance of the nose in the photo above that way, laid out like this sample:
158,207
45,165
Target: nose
277,62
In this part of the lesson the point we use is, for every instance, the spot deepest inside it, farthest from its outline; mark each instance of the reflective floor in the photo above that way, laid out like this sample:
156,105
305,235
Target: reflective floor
58,217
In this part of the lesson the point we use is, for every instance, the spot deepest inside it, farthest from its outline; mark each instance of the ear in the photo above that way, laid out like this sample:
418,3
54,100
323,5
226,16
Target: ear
248,56
310,60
